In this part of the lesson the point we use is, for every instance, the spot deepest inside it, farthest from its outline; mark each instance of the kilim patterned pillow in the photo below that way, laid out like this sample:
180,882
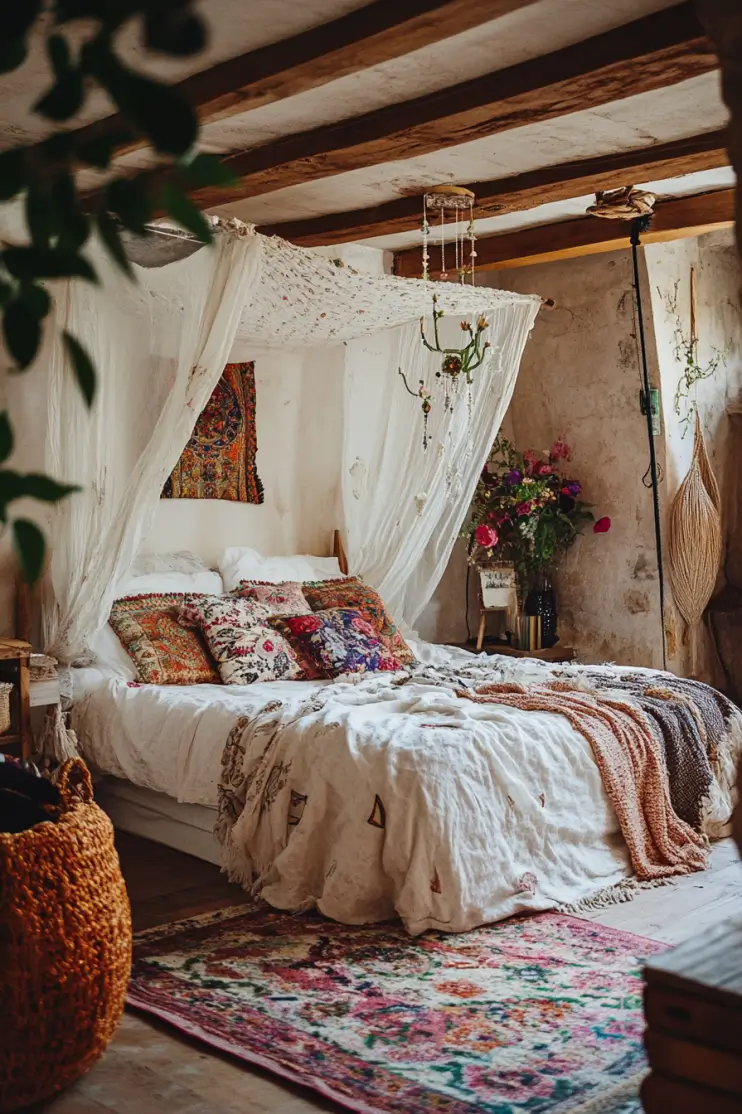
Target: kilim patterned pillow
352,592
338,640
163,651
244,647
284,598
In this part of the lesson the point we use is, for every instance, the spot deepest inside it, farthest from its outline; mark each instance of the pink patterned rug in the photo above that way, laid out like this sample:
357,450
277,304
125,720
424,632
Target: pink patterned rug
538,1014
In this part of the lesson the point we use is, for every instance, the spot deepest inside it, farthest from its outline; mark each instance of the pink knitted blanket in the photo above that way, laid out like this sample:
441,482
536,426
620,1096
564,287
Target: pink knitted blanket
631,764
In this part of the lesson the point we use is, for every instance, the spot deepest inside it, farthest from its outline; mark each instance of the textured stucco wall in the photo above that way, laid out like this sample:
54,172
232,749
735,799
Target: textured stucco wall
580,377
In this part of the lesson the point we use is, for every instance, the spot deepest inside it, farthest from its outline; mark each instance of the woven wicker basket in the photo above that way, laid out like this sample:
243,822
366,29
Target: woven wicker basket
5,691
65,945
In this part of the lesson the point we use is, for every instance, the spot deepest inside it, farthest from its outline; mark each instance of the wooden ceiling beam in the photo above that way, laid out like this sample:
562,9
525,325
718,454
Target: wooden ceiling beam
521,191
647,54
681,217
366,37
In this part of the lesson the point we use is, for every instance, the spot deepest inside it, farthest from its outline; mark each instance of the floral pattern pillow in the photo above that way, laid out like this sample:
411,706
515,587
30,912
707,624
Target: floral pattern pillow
352,592
244,647
338,640
285,598
163,652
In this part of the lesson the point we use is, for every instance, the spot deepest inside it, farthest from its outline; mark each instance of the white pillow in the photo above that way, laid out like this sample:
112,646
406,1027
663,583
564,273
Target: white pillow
238,563
111,656
193,583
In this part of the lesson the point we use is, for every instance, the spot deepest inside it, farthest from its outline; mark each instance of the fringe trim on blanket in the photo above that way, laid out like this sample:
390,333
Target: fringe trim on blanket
608,1102
625,890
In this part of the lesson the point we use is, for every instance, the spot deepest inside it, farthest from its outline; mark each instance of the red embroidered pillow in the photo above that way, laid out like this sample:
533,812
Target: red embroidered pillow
284,598
338,640
164,652
352,592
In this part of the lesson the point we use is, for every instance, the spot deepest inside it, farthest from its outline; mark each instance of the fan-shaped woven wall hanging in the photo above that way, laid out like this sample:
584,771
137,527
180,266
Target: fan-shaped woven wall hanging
695,538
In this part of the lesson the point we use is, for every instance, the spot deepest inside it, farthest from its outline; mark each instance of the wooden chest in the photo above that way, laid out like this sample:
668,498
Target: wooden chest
693,1011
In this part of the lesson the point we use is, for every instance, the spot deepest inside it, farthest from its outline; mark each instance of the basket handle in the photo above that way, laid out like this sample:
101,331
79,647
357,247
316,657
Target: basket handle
74,782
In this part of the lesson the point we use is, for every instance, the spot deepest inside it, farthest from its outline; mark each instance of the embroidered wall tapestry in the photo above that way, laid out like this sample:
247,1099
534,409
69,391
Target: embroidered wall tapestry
219,460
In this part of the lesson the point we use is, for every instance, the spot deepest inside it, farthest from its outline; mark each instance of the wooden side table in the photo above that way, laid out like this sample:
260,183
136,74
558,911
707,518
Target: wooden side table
14,662
693,1011
553,654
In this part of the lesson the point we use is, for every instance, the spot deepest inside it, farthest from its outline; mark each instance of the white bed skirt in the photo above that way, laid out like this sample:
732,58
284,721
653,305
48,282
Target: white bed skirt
155,816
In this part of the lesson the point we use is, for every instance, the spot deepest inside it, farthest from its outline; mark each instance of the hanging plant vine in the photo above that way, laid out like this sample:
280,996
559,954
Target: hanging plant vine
686,354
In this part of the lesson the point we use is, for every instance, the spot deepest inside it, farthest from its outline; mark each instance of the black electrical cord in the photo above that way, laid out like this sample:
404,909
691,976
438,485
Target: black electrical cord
637,227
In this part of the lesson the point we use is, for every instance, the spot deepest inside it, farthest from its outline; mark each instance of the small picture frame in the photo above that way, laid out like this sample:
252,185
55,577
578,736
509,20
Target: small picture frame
497,586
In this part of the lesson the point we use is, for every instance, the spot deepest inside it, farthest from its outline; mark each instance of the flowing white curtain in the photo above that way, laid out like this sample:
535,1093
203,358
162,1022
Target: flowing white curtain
159,346
404,506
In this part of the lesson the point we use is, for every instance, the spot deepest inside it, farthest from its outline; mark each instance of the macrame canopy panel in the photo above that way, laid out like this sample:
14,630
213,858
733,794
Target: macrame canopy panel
307,299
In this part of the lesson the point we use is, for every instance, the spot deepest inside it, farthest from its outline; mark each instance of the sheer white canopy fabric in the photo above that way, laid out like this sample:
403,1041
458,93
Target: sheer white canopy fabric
160,346
404,505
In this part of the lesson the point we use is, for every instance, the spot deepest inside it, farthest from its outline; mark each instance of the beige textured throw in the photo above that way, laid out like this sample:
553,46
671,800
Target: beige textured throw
629,757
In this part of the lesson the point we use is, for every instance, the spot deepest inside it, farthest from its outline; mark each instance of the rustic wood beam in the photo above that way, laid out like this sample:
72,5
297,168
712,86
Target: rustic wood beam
372,34
673,219
647,54
521,191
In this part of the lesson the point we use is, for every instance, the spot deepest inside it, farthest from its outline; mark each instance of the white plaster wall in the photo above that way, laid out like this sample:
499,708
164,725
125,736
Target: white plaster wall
299,425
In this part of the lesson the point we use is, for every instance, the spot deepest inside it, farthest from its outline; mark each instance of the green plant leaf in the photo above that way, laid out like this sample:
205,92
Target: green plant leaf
178,32
22,332
16,19
207,170
64,99
109,234
46,263
130,200
12,54
36,298
160,113
182,209
30,548
12,172
6,436
39,216
44,488
72,224
82,366
99,152
58,50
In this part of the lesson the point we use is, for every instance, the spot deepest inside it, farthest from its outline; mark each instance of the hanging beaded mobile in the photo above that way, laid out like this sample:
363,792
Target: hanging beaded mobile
457,363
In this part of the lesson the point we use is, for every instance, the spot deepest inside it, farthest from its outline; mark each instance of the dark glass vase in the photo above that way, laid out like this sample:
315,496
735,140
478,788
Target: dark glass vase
541,600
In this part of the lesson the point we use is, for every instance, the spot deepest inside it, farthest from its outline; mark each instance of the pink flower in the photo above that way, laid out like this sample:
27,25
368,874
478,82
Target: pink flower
602,526
531,459
560,450
486,536
523,509
544,470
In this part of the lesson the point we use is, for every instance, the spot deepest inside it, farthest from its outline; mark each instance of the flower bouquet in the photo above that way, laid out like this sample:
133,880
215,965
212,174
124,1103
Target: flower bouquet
527,511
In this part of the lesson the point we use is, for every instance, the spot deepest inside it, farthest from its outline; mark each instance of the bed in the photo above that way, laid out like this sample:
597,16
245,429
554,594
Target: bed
373,797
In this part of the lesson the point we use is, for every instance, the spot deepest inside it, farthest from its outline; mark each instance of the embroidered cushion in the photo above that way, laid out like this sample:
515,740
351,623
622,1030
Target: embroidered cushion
284,598
163,652
337,640
244,647
353,593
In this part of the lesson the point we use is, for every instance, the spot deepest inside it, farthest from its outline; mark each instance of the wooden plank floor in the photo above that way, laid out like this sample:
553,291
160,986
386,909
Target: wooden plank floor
148,1070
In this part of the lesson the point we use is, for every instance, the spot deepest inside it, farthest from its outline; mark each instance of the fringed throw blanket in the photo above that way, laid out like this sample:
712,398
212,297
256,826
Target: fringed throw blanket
632,766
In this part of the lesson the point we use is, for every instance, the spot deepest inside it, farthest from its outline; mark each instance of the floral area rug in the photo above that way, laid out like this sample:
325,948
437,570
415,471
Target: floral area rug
539,1014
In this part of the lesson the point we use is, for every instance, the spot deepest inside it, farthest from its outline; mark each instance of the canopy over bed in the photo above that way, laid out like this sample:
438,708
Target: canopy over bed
160,346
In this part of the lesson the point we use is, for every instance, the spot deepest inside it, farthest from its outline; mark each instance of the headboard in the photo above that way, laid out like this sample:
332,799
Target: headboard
338,550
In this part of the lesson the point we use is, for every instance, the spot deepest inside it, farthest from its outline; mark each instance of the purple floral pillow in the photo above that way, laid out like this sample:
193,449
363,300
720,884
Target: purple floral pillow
337,640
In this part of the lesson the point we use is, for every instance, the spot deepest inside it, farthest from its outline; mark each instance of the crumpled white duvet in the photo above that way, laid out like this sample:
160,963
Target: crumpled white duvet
370,800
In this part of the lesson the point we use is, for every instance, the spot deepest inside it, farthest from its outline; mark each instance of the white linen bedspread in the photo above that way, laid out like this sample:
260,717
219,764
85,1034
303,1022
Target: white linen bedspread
486,810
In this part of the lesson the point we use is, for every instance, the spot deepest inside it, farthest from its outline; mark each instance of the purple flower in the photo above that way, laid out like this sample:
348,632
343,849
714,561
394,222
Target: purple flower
512,478
572,487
